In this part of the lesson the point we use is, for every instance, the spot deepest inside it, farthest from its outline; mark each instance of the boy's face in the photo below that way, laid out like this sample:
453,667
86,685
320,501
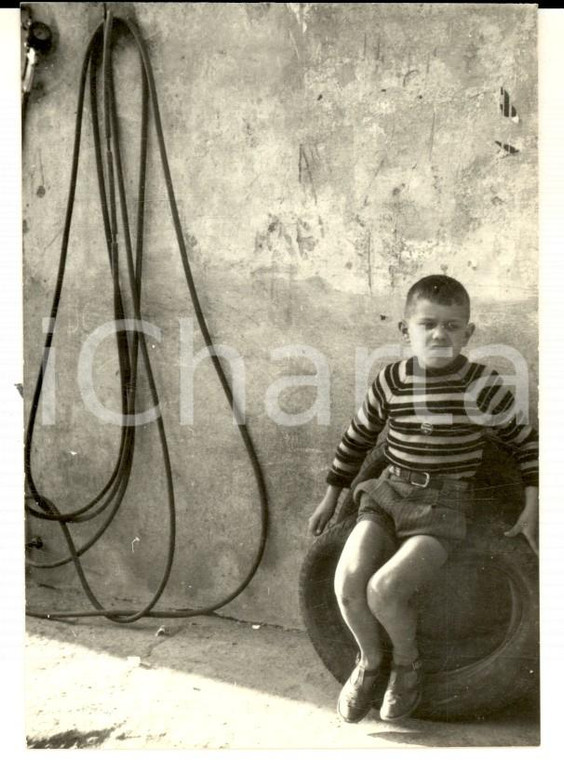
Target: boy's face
436,333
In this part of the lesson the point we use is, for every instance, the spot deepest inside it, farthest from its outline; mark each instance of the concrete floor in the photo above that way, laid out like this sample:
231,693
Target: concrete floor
207,683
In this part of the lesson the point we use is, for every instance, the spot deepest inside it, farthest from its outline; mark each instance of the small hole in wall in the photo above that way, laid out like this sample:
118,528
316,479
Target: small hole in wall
506,106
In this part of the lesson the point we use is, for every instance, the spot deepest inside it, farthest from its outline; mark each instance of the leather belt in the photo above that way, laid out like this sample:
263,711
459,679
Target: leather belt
424,479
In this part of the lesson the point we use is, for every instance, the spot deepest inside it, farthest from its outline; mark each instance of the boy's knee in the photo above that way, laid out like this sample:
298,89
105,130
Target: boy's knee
350,587
384,589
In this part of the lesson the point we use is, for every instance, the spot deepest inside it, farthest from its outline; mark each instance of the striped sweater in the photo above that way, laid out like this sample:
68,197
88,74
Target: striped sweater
437,421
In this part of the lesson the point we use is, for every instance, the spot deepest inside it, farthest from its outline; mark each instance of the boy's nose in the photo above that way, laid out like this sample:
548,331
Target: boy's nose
439,333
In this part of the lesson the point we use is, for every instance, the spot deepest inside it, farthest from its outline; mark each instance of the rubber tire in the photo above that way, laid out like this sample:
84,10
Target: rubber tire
500,675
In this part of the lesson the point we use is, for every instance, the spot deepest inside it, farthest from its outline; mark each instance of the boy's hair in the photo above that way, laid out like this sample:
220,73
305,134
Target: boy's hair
438,288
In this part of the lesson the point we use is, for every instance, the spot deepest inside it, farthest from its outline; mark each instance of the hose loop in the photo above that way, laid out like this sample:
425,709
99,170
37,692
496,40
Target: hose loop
131,347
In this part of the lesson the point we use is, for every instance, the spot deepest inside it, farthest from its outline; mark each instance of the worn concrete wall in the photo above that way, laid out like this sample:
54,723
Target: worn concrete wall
324,156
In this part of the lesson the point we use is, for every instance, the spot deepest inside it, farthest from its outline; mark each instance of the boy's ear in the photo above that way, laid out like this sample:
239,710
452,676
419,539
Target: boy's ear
402,326
470,327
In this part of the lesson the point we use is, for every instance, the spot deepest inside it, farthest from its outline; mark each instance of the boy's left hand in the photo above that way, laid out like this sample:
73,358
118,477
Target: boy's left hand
528,520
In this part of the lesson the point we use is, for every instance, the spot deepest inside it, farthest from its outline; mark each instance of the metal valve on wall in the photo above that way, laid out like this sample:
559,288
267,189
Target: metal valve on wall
38,42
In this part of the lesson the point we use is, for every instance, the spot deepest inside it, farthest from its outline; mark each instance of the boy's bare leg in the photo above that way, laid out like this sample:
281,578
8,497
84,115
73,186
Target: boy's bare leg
366,549
391,589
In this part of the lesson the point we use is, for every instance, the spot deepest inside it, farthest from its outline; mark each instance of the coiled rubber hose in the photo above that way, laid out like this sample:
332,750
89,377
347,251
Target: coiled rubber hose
129,339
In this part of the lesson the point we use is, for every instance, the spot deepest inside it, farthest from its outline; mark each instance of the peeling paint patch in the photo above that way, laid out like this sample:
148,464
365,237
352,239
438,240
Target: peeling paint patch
308,162
256,11
305,241
409,75
276,240
432,135
301,12
250,135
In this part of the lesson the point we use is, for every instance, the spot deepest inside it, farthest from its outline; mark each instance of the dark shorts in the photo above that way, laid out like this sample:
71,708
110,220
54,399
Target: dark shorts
405,510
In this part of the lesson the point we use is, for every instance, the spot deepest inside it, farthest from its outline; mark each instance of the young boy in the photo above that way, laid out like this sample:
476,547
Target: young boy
438,406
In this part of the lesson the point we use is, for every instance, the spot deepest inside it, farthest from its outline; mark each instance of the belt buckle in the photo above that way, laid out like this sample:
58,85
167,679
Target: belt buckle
420,485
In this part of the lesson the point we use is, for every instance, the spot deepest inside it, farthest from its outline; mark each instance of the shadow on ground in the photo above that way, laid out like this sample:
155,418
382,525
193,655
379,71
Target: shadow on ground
71,740
211,646
237,684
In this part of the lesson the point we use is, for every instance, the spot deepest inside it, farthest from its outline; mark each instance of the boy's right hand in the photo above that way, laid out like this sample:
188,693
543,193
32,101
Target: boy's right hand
324,511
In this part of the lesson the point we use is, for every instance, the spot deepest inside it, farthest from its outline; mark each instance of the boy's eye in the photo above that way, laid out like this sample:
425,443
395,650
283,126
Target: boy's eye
450,326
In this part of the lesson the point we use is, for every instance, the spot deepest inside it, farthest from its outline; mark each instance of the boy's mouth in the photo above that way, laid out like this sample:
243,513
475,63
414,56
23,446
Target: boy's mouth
440,353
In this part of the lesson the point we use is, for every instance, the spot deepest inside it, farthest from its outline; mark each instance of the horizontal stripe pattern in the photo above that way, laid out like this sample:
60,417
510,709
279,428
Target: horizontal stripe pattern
437,422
